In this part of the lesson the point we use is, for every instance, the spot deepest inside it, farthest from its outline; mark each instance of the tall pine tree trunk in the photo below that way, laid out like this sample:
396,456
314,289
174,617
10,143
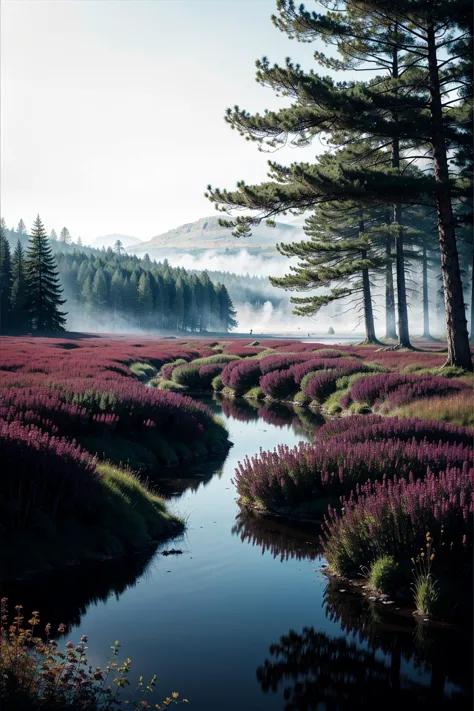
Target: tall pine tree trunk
403,332
390,330
370,336
456,325
426,303
472,294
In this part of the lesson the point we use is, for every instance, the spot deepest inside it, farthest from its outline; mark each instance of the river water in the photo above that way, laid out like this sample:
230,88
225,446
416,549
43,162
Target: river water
243,619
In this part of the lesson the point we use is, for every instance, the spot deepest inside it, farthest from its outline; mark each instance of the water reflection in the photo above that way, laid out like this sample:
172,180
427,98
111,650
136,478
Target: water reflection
76,589
302,421
382,659
279,540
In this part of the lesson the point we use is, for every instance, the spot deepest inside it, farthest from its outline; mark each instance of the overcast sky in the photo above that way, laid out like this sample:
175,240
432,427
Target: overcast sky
112,110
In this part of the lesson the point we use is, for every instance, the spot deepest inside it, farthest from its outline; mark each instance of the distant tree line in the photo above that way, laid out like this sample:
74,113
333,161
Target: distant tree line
103,283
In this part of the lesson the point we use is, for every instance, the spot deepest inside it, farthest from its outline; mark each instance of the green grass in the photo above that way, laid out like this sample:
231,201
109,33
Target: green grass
144,371
218,358
124,516
217,384
383,574
301,398
169,385
456,409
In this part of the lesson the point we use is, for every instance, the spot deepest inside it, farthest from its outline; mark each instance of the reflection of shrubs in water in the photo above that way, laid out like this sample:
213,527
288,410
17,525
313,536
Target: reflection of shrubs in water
317,671
238,411
80,587
280,541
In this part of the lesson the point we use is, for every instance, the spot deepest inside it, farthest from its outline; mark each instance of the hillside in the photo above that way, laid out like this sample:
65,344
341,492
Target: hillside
206,234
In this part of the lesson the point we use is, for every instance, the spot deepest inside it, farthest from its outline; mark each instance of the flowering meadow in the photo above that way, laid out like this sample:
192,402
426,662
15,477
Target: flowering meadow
77,423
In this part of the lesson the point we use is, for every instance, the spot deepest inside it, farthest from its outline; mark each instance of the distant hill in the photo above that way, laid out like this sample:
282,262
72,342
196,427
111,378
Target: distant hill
206,234
110,240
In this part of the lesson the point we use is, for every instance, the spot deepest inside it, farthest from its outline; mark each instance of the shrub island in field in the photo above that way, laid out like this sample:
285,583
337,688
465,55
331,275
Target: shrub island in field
76,425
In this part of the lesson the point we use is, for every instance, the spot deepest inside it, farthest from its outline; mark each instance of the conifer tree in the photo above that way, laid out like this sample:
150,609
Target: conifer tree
65,236
19,313
118,247
340,255
79,241
5,283
53,236
43,290
3,224
21,229
405,41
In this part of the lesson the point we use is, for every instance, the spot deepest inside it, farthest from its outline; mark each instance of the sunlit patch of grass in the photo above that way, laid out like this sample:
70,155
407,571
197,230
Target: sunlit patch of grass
143,371
457,409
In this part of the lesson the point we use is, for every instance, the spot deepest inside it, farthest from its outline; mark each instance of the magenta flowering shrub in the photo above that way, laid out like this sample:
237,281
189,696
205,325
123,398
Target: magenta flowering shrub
279,384
393,517
280,362
242,351
322,384
241,375
41,471
361,428
395,389
207,373
309,472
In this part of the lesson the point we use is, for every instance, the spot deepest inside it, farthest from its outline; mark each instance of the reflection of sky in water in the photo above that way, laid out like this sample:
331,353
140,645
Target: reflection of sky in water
204,621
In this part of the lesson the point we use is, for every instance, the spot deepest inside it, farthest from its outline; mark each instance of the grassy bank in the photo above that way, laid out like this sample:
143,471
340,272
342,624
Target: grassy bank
121,516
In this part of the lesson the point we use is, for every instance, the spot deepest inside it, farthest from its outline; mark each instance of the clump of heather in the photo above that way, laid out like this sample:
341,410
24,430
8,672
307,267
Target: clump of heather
395,389
361,428
242,375
281,362
41,472
207,373
308,473
392,517
322,384
278,384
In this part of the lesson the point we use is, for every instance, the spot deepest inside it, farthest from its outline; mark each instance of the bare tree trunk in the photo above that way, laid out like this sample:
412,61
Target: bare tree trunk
456,325
472,295
390,330
403,332
426,303
370,336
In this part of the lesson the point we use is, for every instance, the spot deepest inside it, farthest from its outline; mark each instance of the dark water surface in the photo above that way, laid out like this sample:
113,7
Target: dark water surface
243,620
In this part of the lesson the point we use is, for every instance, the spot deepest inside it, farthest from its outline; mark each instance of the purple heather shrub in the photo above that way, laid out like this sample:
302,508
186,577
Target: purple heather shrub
393,517
396,389
281,362
278,384
322,384
245,374
360,428
331,468
207,373
40,470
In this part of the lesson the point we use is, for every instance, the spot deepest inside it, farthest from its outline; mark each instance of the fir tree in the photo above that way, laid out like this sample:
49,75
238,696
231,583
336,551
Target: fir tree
5,283
43,290
118,247
65,236
19,313
53,236
405,41
21,229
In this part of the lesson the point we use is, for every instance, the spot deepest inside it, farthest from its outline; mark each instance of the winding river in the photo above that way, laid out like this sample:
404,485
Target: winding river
243,620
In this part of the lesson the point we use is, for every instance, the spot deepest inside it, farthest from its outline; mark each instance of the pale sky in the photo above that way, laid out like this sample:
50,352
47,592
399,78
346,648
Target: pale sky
112,110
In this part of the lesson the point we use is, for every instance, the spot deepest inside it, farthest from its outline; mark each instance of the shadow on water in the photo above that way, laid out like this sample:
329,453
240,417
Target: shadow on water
78,588
382,660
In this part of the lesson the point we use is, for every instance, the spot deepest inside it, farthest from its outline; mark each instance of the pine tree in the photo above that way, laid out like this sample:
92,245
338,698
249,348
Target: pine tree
227,313
404,41
21,229
341,256
19,313
65,236
3,224
5,283
118,247
145,297
43,290
99,290
53,236
79,241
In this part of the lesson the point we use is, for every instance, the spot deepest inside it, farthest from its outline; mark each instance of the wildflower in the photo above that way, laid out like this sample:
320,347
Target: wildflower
69,645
